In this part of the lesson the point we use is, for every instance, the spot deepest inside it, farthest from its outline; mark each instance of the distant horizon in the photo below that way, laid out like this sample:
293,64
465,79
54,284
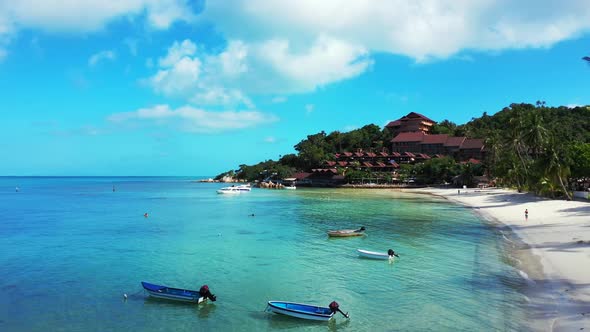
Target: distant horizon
172,86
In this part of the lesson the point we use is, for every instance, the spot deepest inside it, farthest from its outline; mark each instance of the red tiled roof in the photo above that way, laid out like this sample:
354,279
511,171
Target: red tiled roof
418,115
472,143
435,139
367,164
380,164
396,154
394,123
454,141
394,164
358,154
348,154
409,154
371,154
342,163
422,156
383,154
409,137
337,155
330,163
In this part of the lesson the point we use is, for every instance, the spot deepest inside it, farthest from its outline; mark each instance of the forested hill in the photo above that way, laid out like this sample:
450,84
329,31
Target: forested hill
528,146
566,124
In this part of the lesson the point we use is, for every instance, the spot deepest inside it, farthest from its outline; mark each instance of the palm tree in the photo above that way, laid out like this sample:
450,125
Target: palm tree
556,168
535,135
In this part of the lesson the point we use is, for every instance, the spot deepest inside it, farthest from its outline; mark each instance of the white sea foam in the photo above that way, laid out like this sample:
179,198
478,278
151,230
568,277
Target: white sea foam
526,277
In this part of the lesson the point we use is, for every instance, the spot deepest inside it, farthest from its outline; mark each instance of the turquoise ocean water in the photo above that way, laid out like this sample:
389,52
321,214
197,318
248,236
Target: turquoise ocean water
71,247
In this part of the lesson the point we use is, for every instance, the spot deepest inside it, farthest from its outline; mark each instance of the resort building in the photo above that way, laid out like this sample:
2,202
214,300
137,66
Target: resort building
413,122
460,148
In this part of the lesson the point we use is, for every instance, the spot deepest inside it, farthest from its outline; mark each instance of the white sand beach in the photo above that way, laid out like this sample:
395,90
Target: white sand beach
557,234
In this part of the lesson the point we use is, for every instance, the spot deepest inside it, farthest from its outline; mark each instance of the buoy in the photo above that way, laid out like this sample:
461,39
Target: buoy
125,296
145,214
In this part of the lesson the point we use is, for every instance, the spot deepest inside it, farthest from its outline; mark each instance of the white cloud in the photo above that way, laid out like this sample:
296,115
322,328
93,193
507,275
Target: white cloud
421,29
92,15
191,119
177,52
181,78
101,56
270,140
309,108
81,17
241,69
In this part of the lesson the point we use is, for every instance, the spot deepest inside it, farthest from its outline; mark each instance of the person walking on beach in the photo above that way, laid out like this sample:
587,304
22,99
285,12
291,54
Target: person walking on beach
526,214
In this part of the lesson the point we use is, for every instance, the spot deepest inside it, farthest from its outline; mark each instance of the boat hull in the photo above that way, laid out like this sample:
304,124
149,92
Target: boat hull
345,233
373,254
299,310
173,294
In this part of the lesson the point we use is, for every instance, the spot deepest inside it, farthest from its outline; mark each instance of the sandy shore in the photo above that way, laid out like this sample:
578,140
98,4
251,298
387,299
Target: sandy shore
557,233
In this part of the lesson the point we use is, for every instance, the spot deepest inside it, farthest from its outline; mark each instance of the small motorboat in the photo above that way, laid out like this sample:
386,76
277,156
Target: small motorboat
230,190
305,311
177,294
390,254
290,187
347,232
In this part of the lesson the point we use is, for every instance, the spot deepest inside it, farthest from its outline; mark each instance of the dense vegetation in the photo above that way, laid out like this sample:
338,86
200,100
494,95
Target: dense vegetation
529,147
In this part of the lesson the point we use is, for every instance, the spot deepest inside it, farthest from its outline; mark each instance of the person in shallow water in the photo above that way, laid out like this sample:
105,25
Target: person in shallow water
392,253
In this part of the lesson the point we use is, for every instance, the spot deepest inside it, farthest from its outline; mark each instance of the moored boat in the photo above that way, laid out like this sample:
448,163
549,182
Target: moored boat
244,187
347,232
229,190
305,311
177,294
290,187
390,254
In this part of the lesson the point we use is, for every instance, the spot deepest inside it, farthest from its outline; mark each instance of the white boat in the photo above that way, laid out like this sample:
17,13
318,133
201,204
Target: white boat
244,187
377,255
229,190
290,187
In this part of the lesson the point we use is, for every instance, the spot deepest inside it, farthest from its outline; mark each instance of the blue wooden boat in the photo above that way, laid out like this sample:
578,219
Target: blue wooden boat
305,311
177,294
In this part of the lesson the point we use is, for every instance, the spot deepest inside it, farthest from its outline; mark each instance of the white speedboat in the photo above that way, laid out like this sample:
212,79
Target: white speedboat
229,190
244,187
290,187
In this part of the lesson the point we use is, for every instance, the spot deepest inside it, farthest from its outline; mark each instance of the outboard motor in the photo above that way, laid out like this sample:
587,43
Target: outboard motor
205,293
392,253
335,307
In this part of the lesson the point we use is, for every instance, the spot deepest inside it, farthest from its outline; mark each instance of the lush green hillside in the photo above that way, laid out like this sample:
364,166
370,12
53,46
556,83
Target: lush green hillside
530,147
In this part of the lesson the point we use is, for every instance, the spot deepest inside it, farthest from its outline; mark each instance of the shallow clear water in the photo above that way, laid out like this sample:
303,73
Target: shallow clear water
71,247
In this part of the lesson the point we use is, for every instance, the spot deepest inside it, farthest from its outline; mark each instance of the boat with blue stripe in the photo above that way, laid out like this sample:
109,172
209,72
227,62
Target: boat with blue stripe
305,311
178,294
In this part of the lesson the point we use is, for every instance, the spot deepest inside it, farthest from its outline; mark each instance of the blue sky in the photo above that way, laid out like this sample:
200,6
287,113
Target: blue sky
175,87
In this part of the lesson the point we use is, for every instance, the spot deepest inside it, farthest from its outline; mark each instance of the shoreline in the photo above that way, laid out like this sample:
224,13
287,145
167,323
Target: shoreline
553,250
